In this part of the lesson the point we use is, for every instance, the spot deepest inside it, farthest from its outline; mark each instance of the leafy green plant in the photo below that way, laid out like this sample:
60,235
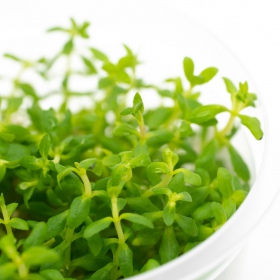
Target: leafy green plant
111,190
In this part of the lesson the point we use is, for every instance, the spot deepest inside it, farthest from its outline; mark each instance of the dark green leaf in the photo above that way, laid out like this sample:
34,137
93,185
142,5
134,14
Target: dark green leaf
37,236
169,247
125,260
78,212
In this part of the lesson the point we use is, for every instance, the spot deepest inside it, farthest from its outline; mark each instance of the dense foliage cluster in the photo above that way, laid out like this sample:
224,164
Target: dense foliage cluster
111,191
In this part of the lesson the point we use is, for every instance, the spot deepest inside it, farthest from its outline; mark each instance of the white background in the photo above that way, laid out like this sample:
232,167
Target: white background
250,28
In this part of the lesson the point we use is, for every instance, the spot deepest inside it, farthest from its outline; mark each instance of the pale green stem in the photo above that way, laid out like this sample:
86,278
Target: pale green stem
116,220
6,219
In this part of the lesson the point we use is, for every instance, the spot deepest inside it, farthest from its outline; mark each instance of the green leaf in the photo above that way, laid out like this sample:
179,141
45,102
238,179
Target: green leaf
238,196
37,236
187,224
230,86
125,260
239,165
13,57
219,213
169,213
169,247
253,124
11,208
31,162
99,55
7,271
45,146
184,196
225,182
89,66
229,206
204,114
208,74
2,171
29,90
56,224
39,255
97,226
68,47
95,244
190,177
141,204
188,68
103,273
51,274
204,212
138,106
186,129
177,184
111,160
18,224
138,219
141,160
158,167
78,212
147,237
151,264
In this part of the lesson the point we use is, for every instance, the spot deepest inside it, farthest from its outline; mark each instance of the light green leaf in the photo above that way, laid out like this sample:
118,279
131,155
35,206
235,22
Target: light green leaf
225,182
231,88
39,255
44,146
169,213
253,124
18,224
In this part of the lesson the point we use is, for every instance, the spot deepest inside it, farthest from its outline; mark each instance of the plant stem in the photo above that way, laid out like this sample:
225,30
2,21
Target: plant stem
6,219
86,182
116,220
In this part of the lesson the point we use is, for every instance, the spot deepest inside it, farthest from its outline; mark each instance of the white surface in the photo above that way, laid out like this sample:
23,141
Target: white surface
251,29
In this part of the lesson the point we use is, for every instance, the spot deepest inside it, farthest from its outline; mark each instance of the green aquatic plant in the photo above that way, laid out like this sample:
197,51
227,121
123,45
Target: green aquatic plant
110,190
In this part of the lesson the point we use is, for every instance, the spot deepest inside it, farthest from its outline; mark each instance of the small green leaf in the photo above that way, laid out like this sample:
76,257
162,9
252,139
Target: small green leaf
97,226
37,236
177,184
138,106
56,224
89,66
151,264
99,55
95,244
169,247
125,260
229,206
239,165
158,167
138,219
7,271
253,124
204,212
39,255
188,68
225,182
147,237
103,273
2,171
187,224
208,74
51,274
44,147
141,160
78,212
141,204
230,86
190,177
184,196
238,196
169,213
219,213
11,208
18,224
